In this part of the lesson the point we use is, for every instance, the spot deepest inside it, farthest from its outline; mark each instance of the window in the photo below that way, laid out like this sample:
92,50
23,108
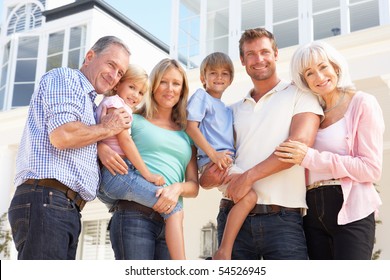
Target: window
285,22
55,50
61,54
253,12
326,18
217,26
205,26
95,241
65,48
189,33
26,17
363,14
76,50
26,66
4,75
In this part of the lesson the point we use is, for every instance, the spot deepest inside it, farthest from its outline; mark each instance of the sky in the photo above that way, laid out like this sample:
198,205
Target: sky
152,15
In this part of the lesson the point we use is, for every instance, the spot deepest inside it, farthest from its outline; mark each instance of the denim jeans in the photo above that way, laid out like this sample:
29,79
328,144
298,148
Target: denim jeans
131,186
45,224
326,240
135,236
277,236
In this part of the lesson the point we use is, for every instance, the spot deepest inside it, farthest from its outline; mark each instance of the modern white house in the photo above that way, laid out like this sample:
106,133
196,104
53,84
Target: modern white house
39,35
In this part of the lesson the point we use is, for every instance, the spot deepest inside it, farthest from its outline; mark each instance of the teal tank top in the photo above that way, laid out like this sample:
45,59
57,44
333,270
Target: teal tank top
164,152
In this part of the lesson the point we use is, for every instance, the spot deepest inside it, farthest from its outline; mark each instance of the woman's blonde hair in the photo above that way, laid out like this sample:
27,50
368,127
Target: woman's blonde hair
136,74
316,51
150,107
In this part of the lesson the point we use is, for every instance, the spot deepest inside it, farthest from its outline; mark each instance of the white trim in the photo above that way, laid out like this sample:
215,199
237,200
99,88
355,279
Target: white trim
234,28
345,20
173,48
269,15
384,12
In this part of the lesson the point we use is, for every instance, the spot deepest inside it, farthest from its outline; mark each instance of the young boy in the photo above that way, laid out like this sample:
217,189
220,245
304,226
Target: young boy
210,125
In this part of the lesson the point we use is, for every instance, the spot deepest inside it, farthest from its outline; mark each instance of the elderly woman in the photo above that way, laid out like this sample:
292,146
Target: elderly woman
345,161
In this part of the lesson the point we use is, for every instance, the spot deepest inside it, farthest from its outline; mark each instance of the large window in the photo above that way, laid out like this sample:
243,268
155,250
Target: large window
26,17
61,54
18,77
25,72
285,22
363,14
189,33
55,50
326,18
4,74
208,25
254,11
76,49
217,26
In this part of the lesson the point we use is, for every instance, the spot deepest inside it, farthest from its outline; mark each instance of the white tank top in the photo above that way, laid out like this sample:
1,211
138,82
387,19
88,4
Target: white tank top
331,139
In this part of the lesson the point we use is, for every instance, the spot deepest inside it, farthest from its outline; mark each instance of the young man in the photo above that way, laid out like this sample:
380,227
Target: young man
56,166
272,112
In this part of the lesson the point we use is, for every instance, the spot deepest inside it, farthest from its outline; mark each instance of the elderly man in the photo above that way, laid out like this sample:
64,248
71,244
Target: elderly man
57,169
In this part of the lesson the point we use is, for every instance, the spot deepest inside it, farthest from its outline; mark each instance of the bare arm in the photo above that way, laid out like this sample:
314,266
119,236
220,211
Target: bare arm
303,128
221,159
75,135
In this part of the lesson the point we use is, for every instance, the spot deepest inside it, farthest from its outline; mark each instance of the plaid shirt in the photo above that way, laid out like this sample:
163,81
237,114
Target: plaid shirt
64,95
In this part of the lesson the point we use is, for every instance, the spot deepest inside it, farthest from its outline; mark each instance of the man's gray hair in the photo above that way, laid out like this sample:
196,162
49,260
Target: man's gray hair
106,41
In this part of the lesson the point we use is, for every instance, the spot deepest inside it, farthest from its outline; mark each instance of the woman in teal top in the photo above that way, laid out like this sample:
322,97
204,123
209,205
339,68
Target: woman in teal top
137,231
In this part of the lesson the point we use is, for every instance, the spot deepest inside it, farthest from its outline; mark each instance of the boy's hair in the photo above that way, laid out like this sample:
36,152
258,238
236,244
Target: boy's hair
136,74
150,107
217,60
251,34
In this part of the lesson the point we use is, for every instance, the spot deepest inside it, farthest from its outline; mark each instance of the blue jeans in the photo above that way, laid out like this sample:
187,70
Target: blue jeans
45,224
277,236
135,236
131,186
326,240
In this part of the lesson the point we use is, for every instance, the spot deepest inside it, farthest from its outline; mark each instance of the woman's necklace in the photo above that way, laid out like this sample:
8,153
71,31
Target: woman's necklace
337,104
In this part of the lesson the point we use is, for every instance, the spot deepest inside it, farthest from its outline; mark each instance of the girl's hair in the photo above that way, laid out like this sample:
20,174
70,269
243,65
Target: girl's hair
150,107
314,52
136,74
217,60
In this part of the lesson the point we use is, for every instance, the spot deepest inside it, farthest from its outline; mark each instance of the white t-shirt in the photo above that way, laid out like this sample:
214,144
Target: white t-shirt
260,127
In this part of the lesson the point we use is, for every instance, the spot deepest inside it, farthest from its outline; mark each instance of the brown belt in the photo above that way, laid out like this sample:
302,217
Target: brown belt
125,205
54,184
260,209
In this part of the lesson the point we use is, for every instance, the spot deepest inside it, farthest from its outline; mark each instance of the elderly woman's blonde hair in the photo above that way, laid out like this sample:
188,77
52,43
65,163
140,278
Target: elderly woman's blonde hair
312,53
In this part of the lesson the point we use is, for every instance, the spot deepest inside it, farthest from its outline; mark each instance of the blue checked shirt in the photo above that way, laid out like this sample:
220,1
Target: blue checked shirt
64,95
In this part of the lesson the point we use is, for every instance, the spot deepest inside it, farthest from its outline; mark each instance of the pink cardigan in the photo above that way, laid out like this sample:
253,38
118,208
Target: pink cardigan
363,166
